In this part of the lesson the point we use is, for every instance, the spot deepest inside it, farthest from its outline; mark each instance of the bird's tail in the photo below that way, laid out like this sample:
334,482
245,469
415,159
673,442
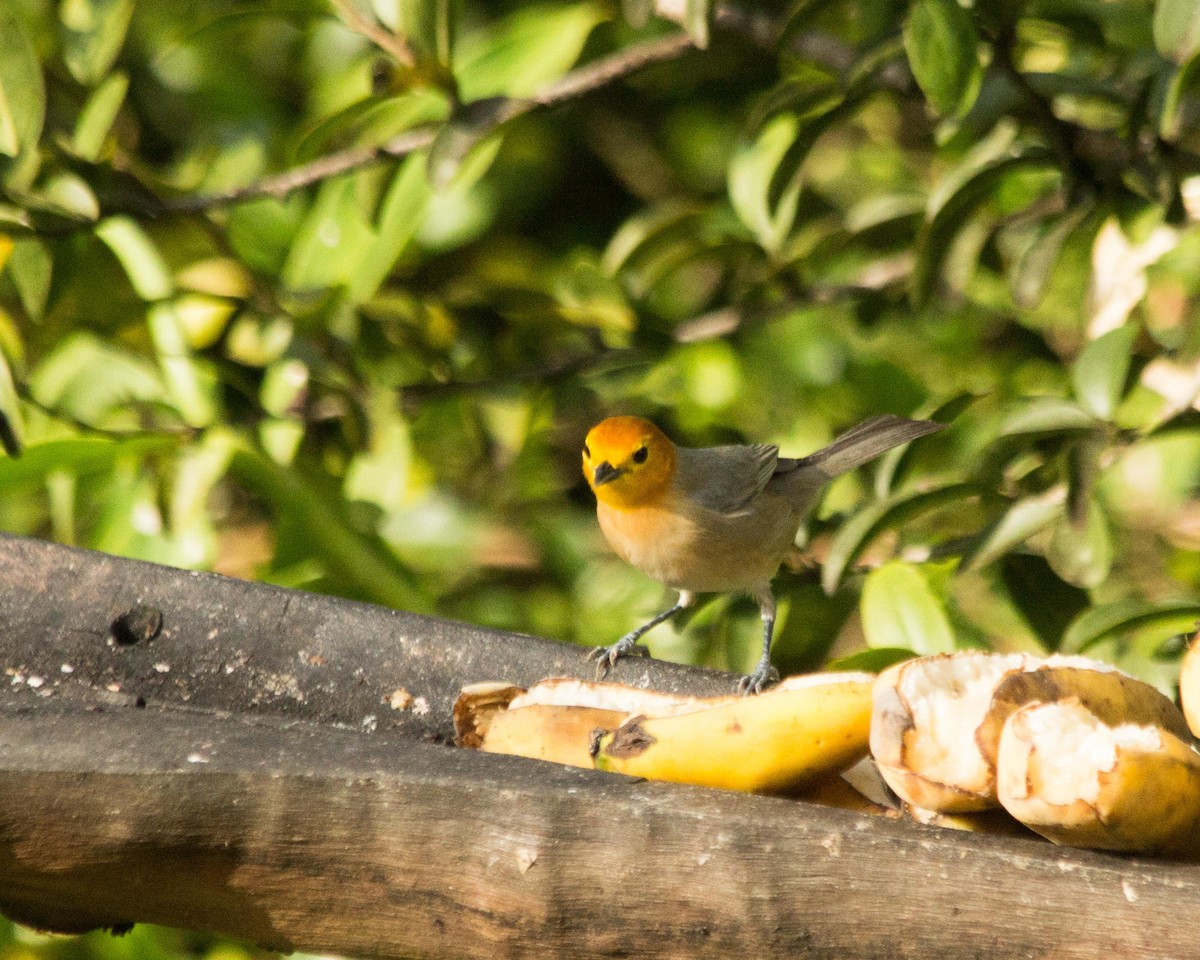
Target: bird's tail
867,441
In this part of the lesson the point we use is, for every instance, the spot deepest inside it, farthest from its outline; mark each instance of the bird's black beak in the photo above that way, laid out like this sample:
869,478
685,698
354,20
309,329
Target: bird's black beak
605,472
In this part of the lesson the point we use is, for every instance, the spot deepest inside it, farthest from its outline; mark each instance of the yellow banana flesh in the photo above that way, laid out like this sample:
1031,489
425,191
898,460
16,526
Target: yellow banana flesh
937,720
793,734
1189,685
1079,781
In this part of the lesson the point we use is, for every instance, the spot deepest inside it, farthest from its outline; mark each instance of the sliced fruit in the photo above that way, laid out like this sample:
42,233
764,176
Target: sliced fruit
1189,685
794,733
926,713
937,720
1112,696
1079,781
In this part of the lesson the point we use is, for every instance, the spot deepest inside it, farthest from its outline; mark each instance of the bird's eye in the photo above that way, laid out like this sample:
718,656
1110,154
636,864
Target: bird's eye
640,455
586,451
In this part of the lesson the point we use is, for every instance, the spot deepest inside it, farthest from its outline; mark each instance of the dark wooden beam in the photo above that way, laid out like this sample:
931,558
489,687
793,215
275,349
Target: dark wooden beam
253,796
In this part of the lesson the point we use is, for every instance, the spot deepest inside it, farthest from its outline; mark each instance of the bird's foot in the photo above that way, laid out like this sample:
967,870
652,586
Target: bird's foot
763,676
606,657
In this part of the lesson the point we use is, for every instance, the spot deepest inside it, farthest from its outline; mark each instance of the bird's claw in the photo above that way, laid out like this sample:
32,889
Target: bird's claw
606,657
763,676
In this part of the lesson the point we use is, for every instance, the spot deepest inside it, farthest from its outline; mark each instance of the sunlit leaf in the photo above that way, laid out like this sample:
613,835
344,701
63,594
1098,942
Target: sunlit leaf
12,423
31,267
695,20
856,534
1177,29
22,92
1101,371
144,265
942,47
1017,524
871,661
900,609
528,49
93,32
1082,555
98,115
1125,616
960,194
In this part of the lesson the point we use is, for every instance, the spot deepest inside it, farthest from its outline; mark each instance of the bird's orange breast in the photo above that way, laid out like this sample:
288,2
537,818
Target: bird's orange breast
653,538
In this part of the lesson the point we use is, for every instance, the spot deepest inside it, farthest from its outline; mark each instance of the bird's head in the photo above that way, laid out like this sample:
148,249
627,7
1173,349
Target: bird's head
628,461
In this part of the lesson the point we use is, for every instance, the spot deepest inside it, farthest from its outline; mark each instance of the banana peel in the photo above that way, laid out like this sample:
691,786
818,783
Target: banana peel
1079,781
795,733
938,720
553,720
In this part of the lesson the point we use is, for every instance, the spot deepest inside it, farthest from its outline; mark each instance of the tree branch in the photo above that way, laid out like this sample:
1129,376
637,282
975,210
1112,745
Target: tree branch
573,85
390,43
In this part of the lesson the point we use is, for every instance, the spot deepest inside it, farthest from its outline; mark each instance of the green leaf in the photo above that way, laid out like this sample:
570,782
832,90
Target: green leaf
695,20
98,115
22,91
1082,556
526,51
1177,29
428,26
1046,415
766,172
860,530
956,199
362,562
31,268
80,455
12,424
144,265
943,51
1016,525
900,609
809,624
470,126
1125,616
93,32
190,386
1031,275
870,661
87,379
1046,601
1100,373
895,465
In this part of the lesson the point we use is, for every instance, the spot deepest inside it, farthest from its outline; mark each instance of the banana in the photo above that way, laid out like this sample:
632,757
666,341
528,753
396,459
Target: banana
1079,781
937,721
552,720
923,725
794,733
1111,696
1189,685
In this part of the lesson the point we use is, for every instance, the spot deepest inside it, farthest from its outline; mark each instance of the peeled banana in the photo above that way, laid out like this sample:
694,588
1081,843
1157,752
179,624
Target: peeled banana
1076,780
794,733
937,721
1189,685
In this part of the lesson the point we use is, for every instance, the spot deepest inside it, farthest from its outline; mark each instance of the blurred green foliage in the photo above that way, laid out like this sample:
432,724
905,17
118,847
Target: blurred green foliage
373,379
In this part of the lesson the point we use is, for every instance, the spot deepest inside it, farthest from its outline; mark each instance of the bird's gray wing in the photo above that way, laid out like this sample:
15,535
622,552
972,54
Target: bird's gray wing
726,479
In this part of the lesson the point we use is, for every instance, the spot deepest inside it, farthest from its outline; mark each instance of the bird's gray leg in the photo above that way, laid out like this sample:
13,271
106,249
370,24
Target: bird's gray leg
606,657
764,674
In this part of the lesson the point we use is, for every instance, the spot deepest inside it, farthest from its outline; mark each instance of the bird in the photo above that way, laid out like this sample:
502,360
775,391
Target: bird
714,519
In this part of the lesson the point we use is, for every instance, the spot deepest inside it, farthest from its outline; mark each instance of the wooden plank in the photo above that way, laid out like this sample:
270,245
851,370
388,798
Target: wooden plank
232,645
299,836
266,790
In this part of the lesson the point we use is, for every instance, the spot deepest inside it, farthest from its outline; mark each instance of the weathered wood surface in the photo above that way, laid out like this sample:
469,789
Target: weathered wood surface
240,802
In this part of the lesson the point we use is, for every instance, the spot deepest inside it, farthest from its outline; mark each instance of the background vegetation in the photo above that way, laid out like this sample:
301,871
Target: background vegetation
327,293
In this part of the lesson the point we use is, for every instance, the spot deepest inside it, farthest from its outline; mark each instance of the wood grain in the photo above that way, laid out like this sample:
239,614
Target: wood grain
231,803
